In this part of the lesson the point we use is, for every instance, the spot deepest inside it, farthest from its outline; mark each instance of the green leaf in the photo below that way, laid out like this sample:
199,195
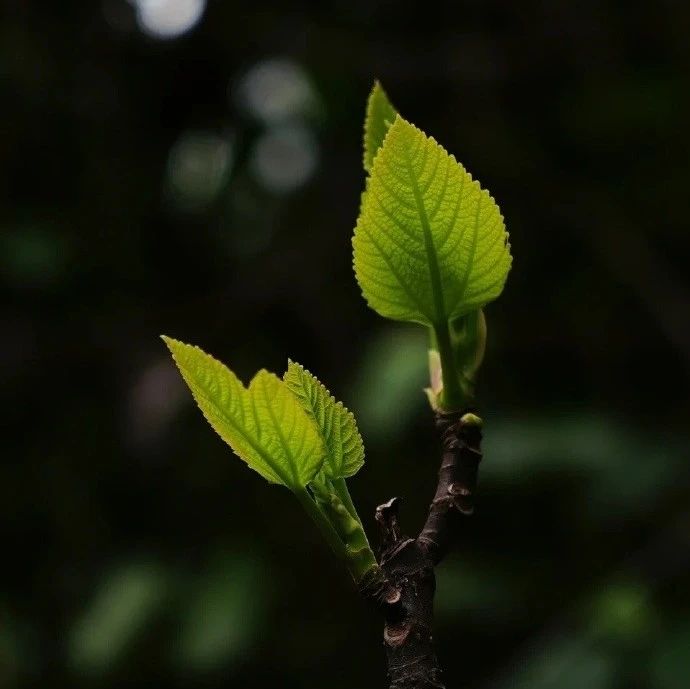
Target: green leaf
337,425
265,424
430,244
380,116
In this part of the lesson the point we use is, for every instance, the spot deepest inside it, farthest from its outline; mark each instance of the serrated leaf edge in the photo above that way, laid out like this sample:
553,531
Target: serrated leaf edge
377,89
281,475
338,404
470,179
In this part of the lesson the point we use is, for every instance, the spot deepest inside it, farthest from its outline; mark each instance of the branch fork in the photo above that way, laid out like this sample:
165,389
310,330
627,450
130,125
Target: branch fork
404,584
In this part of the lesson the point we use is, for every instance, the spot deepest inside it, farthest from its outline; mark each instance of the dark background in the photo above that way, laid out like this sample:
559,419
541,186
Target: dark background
205,185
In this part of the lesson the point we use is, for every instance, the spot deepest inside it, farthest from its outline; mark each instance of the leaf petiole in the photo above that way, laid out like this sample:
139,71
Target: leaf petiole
452,397
322,522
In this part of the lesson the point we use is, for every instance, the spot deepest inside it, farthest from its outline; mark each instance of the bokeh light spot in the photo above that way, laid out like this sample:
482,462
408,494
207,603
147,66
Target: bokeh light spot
285,158
167,19
276,90
152,402
197,168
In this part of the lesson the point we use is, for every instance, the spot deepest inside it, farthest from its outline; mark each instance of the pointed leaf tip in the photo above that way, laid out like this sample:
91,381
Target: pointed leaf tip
337,425
380,115
265,425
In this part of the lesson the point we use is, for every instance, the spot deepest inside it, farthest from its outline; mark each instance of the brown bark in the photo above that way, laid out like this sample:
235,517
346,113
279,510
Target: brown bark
404,586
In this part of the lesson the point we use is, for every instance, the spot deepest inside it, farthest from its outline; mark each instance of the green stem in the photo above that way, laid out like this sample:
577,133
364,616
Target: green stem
343,493
323,523
334,501
361,558
360,542
452,398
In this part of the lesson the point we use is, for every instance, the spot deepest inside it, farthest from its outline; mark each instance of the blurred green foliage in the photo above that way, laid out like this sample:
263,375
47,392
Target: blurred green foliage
122,605
198,172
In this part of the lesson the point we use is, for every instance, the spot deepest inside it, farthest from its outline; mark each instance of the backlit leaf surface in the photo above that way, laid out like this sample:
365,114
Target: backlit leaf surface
379,117
264,424
430,244
337,425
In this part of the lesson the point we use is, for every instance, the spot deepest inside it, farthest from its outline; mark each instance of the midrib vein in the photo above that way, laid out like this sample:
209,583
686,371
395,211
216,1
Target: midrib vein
432,258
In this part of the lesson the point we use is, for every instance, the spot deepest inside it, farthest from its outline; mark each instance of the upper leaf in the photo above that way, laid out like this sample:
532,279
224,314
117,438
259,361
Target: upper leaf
337,425
265,424
380,116
430,244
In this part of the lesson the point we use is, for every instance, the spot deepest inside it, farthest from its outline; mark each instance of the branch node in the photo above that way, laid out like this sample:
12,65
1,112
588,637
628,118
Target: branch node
387,519
378,589
461,434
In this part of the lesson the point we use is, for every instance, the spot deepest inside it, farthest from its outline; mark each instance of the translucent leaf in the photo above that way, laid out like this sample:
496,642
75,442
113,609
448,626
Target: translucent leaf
264,424
380,116
345,449
430,244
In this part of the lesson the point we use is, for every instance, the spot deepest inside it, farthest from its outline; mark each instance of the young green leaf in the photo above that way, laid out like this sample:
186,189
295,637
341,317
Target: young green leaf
337,425
380,116
430,244
265,425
